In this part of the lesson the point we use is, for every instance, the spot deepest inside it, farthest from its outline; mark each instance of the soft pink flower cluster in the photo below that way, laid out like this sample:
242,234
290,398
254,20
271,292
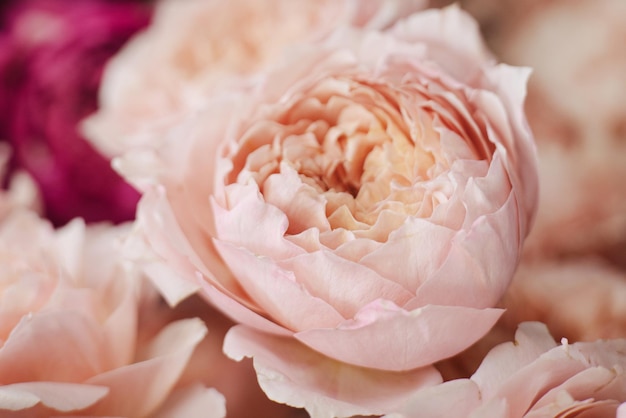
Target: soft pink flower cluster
338,190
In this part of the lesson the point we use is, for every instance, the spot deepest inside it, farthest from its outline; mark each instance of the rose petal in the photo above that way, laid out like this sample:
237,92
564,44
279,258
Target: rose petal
63,397
193,401
291,373
65,334
405,259
473,275
384,336
139,388
277,291
345,285
449,399
240,313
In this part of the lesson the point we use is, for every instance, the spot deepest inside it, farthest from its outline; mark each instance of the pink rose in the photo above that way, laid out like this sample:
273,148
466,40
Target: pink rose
368,193
198,45
51,59
68,330
533,377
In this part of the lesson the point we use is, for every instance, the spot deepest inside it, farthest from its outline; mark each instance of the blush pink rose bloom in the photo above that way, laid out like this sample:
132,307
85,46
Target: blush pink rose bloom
361,207
197,45
534,377
69,342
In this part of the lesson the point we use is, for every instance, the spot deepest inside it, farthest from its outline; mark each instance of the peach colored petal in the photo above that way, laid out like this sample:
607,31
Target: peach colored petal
253,224
420,337
403,257
63,334
504,110
194,401
531,340
482,285
240,313
277,291
139,388
452,36
64,397
151,219
450,399
289,372
533,377
345,285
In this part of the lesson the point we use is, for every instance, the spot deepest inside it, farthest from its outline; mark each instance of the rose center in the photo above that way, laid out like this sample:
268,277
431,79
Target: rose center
349,143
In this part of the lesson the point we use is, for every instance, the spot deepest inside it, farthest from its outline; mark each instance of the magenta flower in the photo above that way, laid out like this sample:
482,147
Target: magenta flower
51,60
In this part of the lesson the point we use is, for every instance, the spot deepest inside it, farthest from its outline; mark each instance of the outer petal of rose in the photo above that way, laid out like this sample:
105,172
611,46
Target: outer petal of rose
479,265
241,314
378,14
595,380
451,35
621,411
291,373
64,335
193,402
276,290
504,111
253,224
521,390
174,288
119,328
185,255
405,259
532,339
401,340
345,285
63,397
115,288
454,398
139,388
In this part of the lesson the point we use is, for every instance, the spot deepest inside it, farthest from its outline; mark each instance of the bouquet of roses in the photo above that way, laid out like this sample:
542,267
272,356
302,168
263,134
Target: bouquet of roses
330,208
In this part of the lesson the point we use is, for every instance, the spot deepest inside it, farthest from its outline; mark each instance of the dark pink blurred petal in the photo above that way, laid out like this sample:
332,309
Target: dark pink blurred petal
52,53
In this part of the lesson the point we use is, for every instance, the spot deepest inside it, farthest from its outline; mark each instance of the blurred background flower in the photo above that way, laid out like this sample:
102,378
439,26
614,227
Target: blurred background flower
52,53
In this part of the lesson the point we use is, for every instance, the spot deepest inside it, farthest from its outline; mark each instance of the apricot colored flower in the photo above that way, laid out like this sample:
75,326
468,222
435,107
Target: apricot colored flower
68,330
534,377
366,200
196,46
